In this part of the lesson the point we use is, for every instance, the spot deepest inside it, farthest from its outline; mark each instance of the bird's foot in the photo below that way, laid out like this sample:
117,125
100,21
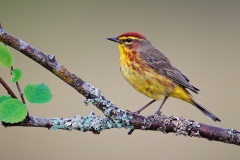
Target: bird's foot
136,112
128,110
155,117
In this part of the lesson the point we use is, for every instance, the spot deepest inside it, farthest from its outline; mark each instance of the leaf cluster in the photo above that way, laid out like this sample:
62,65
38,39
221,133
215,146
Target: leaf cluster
13,110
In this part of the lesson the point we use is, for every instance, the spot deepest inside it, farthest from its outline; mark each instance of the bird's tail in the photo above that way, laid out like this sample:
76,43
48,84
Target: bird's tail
204,110
183,94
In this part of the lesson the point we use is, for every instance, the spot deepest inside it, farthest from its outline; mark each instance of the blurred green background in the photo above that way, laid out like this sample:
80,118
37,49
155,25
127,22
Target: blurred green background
201,38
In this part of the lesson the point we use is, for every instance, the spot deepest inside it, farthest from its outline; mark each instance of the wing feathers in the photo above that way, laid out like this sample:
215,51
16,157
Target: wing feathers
160,63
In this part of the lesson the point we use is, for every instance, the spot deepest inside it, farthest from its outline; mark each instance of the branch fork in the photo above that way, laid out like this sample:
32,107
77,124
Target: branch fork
114,117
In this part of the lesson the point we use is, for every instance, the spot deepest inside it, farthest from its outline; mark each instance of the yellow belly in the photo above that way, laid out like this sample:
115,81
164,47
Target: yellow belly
147,81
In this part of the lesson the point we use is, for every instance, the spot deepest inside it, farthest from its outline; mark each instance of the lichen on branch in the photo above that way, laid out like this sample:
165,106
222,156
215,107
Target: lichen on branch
114,117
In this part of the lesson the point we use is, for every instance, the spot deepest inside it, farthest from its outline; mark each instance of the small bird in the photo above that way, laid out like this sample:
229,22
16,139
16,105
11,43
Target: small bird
150,72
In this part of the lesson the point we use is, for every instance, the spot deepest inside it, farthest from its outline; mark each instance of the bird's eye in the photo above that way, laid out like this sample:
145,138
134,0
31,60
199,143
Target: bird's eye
128,40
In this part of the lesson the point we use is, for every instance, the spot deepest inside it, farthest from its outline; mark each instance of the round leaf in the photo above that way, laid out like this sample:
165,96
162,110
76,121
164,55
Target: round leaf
17,75
38,93
5,97
12,111
6,58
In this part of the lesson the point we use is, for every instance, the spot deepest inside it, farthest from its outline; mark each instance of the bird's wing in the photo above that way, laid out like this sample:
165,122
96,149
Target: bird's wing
160,63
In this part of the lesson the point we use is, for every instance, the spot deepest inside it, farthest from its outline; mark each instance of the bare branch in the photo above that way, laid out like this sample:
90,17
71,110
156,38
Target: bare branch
115,117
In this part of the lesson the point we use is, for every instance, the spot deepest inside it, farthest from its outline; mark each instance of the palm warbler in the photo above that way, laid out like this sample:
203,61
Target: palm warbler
150,72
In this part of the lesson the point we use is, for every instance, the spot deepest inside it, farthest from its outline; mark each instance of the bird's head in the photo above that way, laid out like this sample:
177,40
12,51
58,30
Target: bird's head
129,40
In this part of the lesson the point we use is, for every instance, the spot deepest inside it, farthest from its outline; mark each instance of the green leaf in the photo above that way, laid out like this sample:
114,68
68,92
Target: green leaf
12,111
5,97
17,75
37,93
6,57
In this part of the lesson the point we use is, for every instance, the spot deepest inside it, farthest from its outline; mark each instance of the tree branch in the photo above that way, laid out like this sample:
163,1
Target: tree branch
96,124
115,117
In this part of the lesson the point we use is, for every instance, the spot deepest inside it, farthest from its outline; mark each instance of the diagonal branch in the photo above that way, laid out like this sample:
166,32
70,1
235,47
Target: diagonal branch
4,84
115,117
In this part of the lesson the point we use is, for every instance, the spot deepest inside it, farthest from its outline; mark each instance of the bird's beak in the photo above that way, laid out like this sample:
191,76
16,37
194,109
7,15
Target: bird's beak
114,40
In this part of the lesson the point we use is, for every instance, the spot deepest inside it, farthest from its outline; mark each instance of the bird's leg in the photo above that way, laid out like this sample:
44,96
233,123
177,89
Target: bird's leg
144,107
158,112
140,110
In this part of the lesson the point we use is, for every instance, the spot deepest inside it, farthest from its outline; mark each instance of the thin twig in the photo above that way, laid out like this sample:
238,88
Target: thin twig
4,84
19,89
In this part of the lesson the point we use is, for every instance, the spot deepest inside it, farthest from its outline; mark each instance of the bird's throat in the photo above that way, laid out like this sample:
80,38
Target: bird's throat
128,56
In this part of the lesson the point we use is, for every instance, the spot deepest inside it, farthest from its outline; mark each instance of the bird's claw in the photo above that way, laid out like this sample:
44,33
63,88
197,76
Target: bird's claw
133,112
157,114
136,112
155,117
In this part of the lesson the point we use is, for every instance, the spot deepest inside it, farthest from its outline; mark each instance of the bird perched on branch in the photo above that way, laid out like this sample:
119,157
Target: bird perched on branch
150,72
